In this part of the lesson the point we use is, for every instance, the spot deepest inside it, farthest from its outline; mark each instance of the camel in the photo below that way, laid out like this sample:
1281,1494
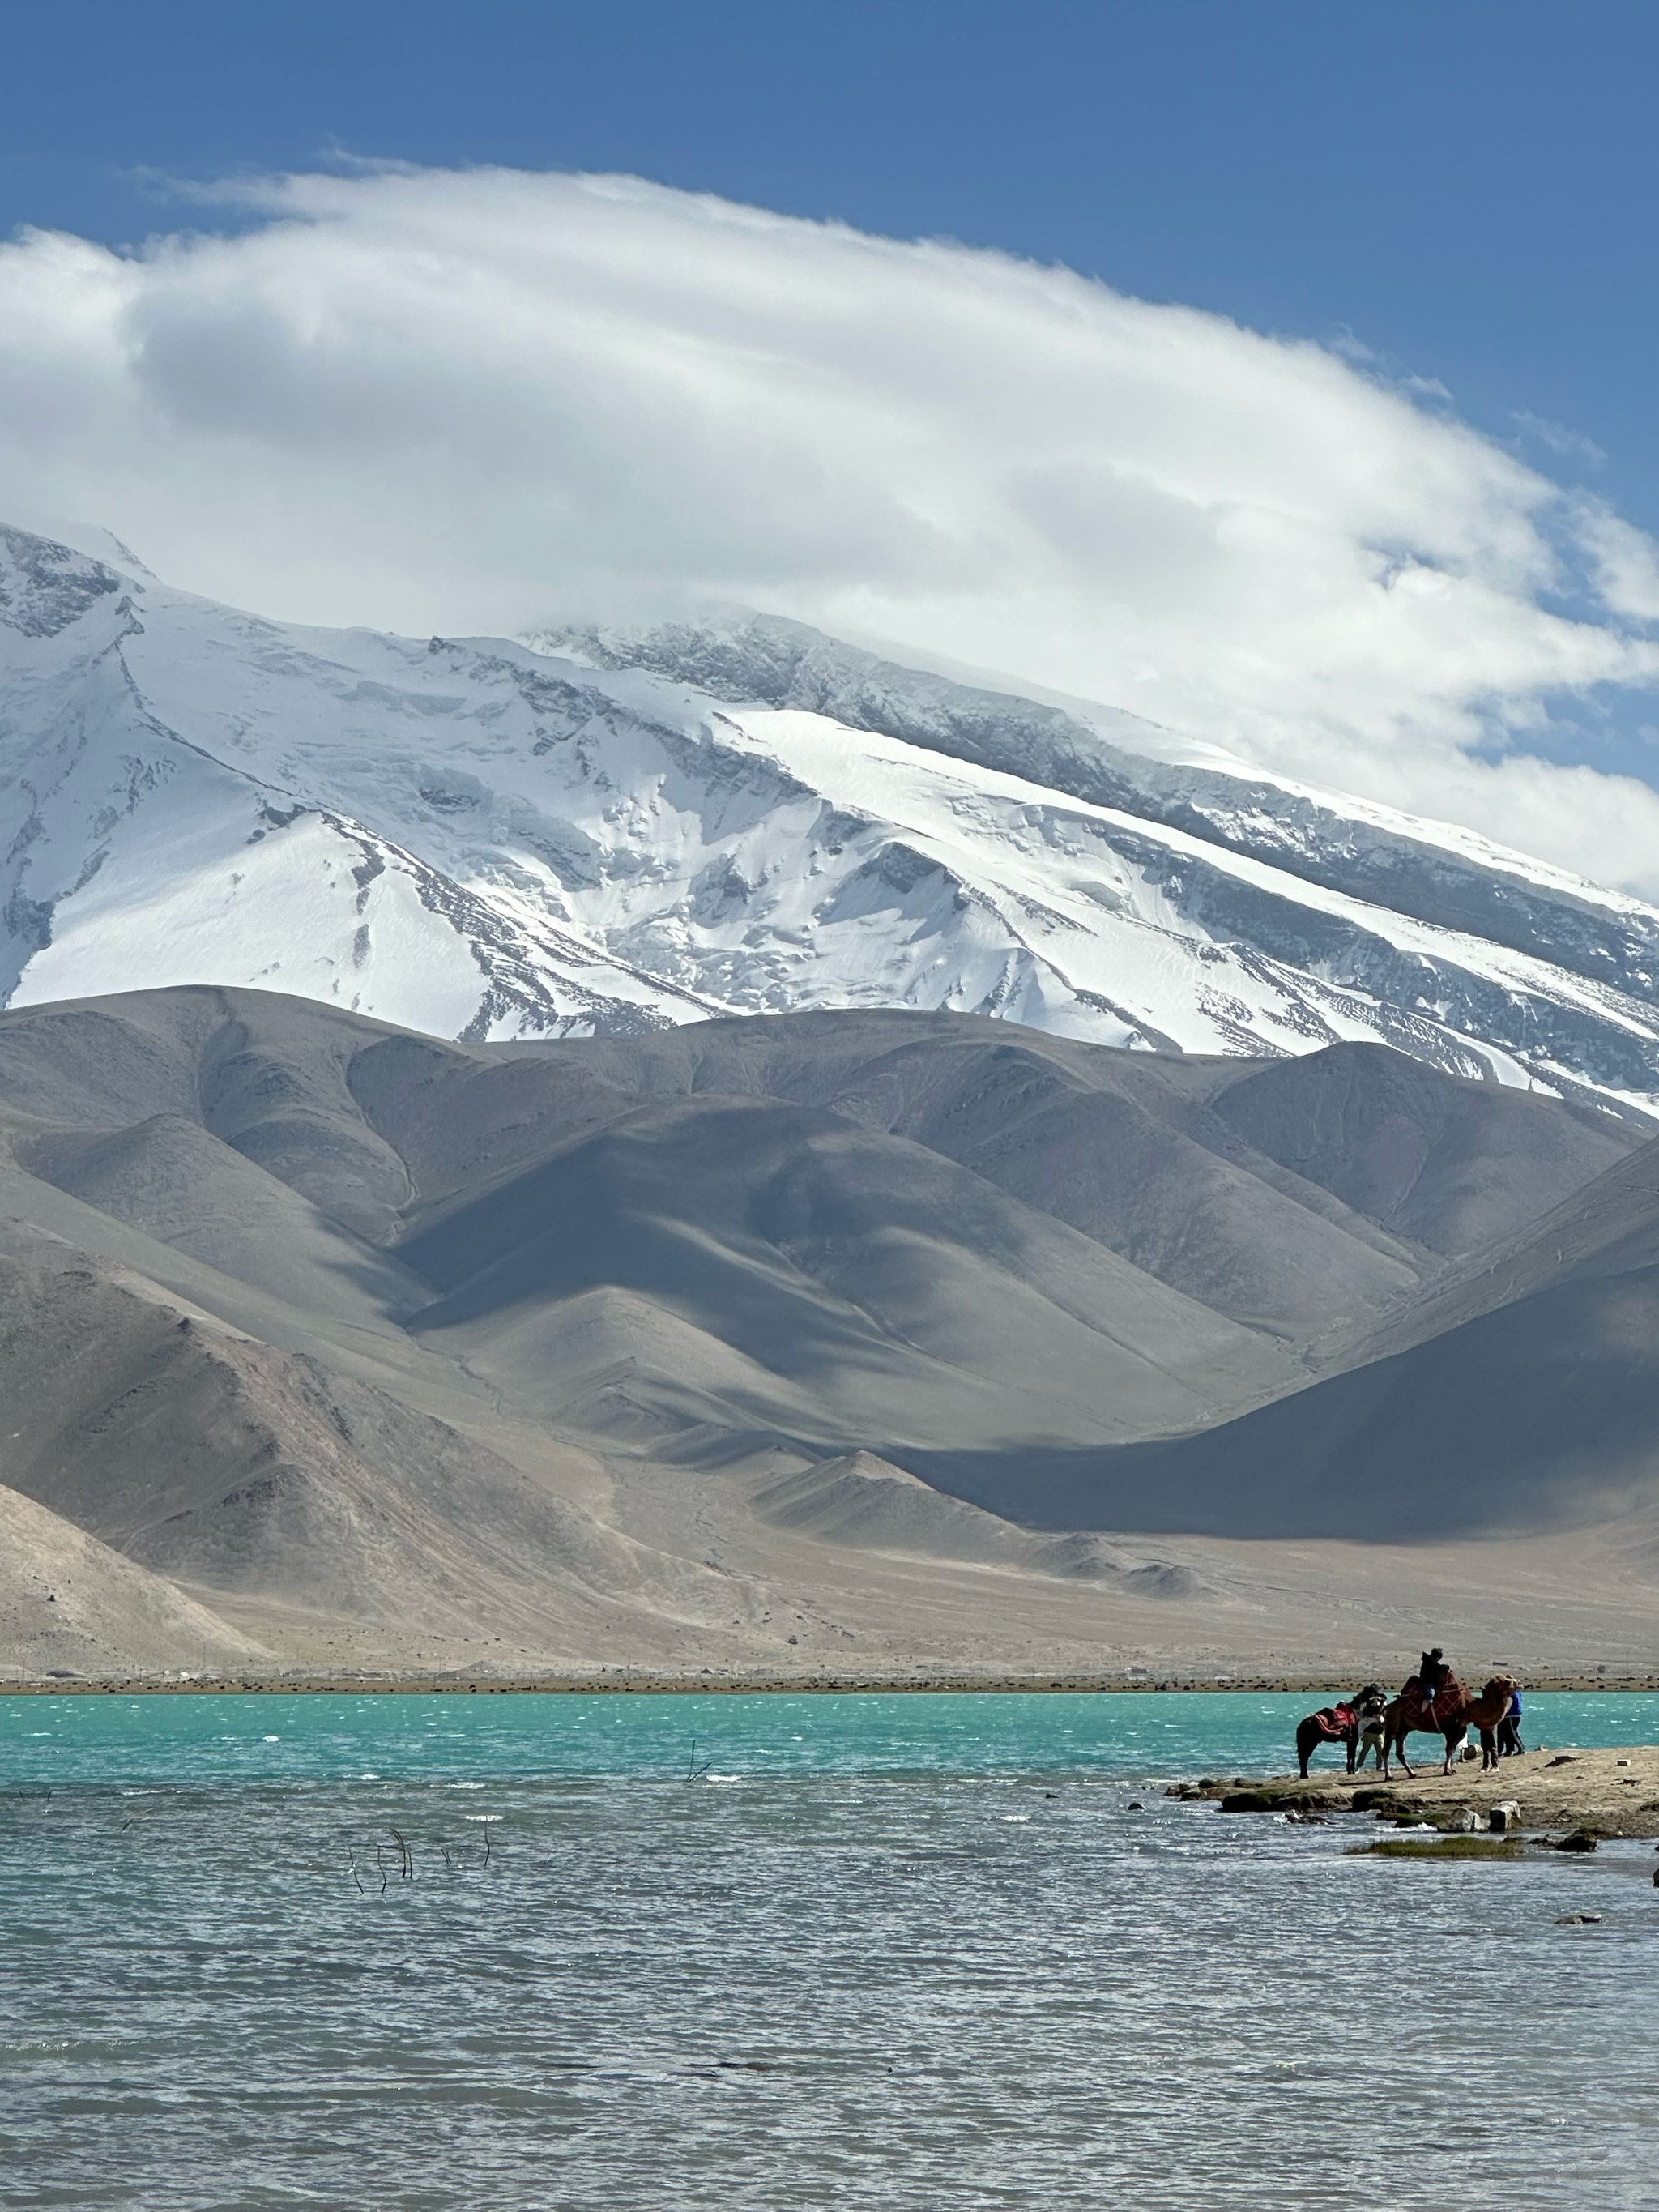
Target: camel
1397,1728
1486,1713
1461,1713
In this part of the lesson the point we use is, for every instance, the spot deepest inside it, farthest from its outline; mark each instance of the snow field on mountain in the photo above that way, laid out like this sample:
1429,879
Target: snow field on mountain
196,897
472,837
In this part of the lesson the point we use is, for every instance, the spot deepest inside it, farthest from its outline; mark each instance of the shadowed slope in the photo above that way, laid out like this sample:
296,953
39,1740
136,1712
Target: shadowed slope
284,1490
1525,1396
1217,1176
169,1178
1008,1263
1449,1165
1543,1414
890,1283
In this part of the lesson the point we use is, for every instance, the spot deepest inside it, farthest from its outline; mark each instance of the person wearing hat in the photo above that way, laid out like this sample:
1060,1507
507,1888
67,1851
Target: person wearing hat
1433,1674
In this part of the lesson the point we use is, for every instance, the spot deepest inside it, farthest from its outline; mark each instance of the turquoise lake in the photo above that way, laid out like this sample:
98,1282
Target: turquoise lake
91,1739
669,1954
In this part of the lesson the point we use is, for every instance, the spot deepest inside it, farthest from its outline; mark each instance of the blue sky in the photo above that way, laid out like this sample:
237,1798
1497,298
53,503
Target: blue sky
1455,200
1468,187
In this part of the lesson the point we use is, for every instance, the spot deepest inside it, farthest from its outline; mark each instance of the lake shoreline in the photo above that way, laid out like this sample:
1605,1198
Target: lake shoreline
1595,1790
618,1682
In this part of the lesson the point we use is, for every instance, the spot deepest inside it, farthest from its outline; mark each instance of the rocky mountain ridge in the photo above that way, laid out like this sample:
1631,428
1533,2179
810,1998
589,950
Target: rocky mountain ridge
613,833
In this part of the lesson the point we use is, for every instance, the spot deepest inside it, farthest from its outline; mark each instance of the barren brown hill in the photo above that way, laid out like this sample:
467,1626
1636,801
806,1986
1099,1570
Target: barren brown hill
368,1348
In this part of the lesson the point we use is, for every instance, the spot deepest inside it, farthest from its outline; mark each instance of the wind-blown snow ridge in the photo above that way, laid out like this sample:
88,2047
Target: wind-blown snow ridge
604,832
1436,871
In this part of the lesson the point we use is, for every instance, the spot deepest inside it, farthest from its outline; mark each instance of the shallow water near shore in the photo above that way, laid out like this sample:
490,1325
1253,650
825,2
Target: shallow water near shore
864,1951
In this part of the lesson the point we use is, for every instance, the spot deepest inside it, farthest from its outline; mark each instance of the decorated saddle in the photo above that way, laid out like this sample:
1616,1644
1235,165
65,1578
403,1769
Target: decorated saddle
1420,1711
1336,1724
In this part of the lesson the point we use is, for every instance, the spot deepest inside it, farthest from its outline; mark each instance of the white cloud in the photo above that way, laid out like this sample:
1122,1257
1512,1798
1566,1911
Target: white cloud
1560,438
1625,561
432,400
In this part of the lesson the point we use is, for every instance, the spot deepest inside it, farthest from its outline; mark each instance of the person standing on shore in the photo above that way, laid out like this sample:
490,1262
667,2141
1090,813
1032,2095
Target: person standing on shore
1509,1729
1370,1708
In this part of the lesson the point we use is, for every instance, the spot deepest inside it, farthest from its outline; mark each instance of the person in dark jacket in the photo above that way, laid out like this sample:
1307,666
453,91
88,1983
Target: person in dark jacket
1431,1673
1371,1708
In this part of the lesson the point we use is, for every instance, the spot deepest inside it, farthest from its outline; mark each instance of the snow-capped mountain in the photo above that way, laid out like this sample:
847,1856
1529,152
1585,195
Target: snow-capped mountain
603,832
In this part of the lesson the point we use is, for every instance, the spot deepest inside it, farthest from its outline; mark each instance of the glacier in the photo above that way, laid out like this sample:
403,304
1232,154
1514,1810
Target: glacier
591,831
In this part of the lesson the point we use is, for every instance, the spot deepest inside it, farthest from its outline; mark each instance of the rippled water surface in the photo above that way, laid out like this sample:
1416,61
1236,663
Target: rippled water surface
504,1953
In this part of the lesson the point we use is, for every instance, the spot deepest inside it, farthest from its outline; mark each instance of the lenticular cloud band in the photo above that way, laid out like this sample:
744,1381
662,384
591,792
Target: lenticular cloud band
441,401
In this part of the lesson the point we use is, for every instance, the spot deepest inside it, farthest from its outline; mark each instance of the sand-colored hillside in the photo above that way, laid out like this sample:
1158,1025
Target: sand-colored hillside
69,1606
792,1350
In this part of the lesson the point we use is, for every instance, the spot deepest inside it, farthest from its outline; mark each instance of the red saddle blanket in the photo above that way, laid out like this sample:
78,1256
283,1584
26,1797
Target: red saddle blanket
1420,1712
1336,1722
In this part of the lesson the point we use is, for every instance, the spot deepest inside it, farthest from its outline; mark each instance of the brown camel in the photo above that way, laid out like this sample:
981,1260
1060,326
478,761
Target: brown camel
1461,1713
1485,1711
